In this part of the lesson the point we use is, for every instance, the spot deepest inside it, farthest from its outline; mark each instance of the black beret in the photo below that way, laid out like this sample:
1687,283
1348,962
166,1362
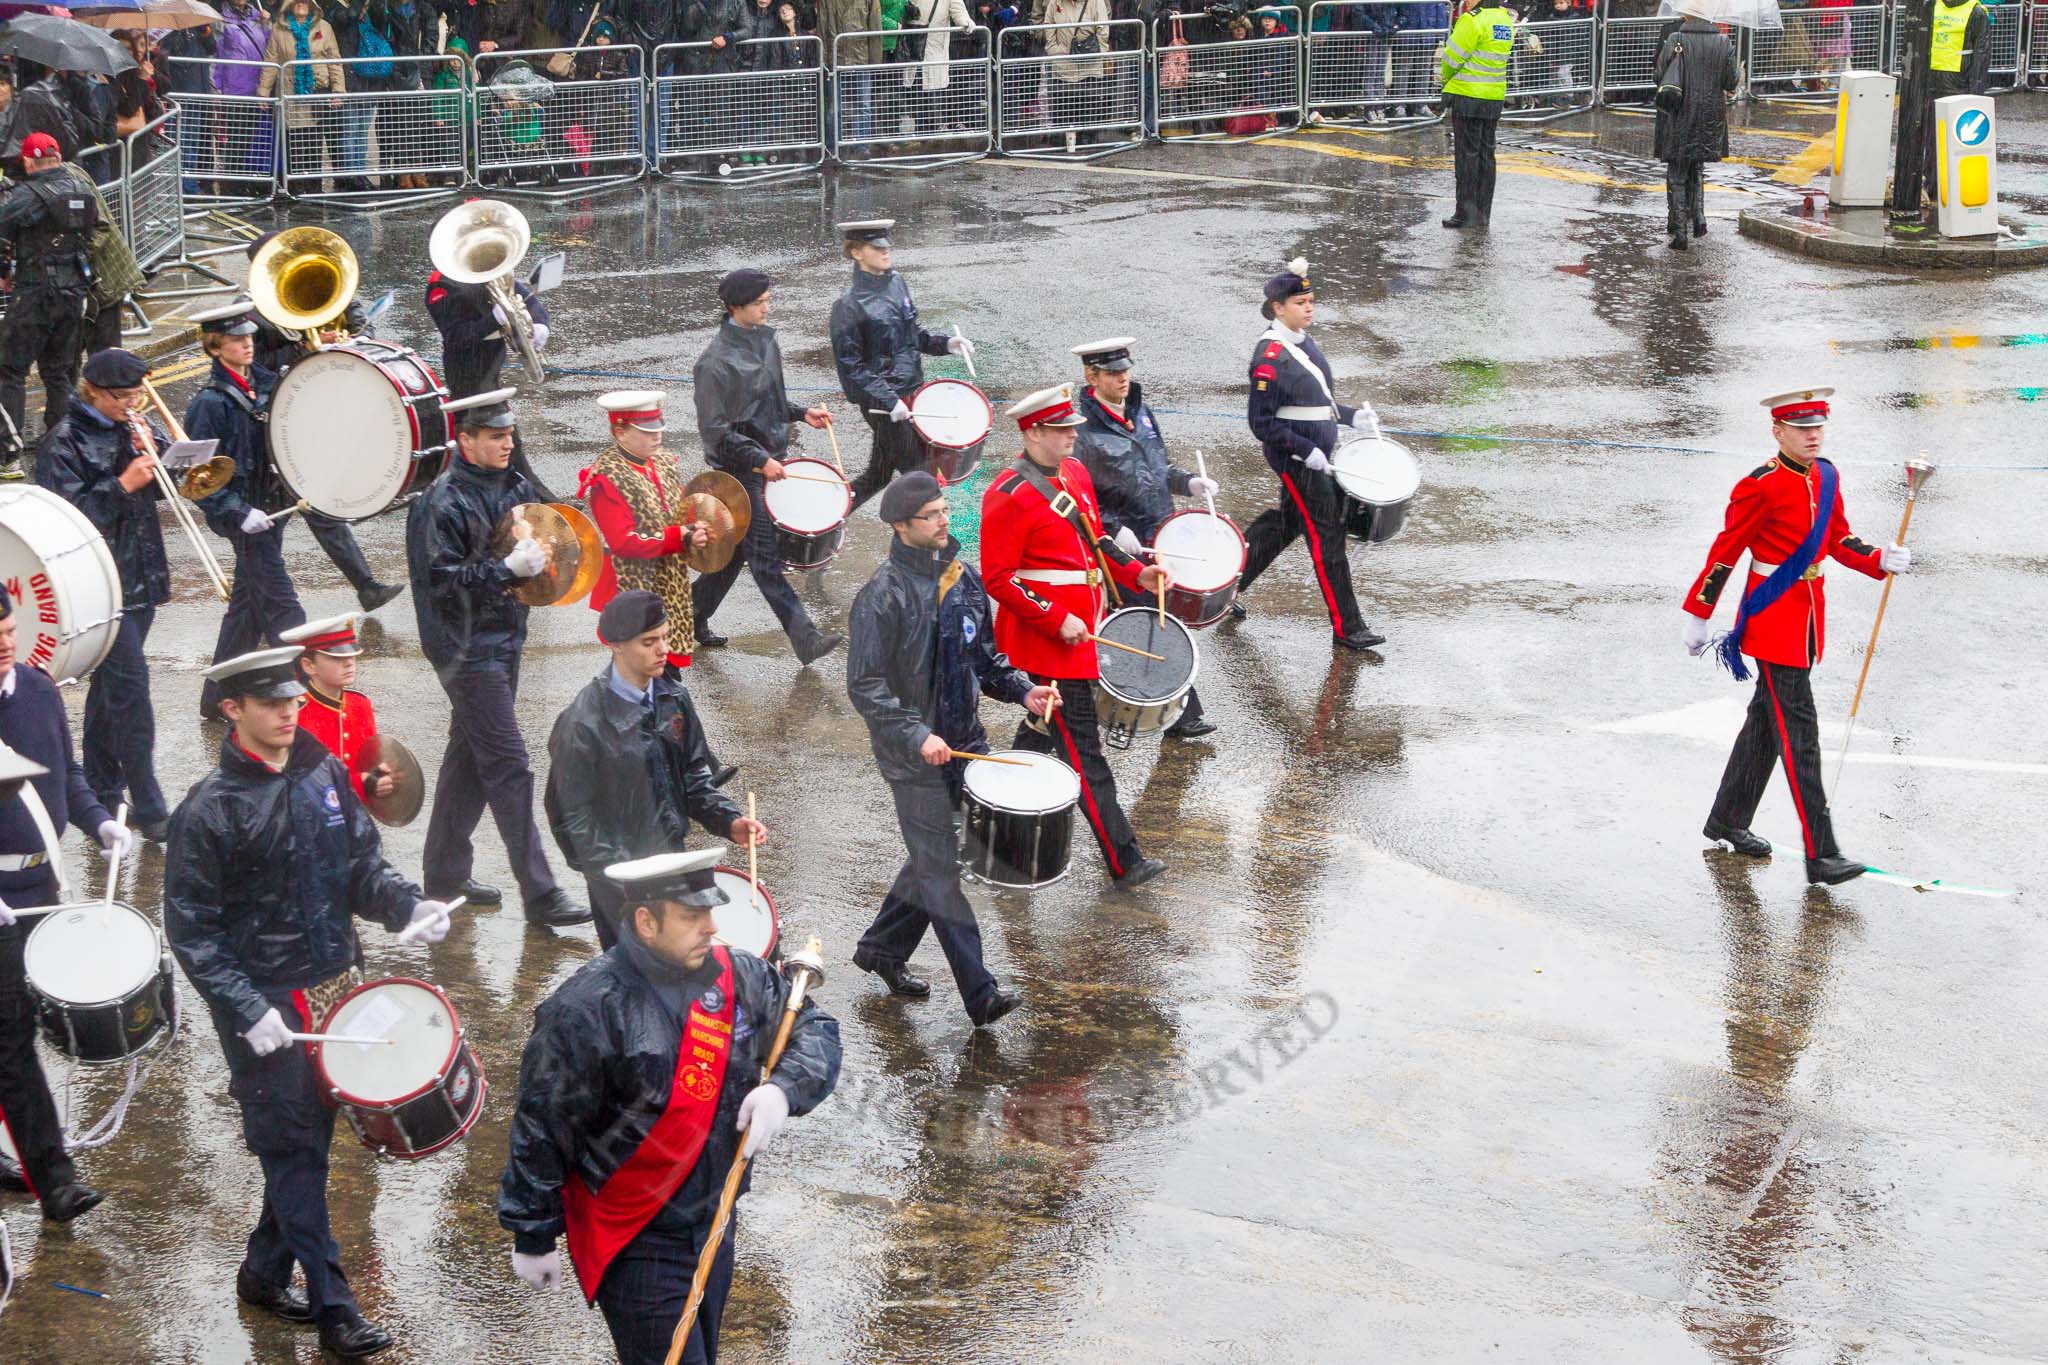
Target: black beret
115,369
741,287
630,615
906,493
6,605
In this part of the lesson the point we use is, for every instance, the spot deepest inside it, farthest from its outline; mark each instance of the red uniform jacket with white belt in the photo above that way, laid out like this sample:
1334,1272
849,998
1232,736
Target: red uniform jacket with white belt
348,729
1769,514
1022,538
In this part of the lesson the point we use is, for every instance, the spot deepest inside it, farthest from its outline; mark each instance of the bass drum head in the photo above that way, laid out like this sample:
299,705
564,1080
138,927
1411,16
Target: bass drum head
1047,785
56,562
1201,551
92,954
412,1012
952,414
807,505
746,921
1376,471
341,434
1135,678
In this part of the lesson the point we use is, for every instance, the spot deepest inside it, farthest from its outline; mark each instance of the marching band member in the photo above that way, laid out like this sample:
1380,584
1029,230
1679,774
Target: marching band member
1293,413
472,326
743,416
271,858
879,347
922,654
642,1069
472,630
92,460
1045,558
1124,451
337,715
231,408
33,726
628,766
1788,515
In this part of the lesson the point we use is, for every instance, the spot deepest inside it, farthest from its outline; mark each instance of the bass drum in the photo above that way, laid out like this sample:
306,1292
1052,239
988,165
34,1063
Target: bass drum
357,426
56,564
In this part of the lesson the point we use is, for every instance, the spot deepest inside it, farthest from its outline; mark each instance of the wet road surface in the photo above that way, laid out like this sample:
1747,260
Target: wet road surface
1443,1039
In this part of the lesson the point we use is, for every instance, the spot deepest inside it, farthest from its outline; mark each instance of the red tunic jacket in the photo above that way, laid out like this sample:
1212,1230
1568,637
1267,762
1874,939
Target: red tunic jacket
349,730
1769,513
1020,532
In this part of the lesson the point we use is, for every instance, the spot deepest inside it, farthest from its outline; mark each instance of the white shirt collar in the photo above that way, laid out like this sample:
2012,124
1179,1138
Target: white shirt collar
7,682
1286,333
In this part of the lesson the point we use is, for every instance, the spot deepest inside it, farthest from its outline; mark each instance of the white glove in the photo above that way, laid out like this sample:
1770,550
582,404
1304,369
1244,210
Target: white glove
1364,418
1318,461
960,345
432,917
256,523
269,1035
540,336
1698,630
1203,488
116,838
1895,559
498,312
542,1272
1127,541
527,559
6,915
901,412
762,1114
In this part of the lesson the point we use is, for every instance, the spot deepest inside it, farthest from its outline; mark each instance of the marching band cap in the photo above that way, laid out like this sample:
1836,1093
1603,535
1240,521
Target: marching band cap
491,410
906,493
873,231
1800,407
1053,407
1111,353
235,319
685,878
741,287
629,615
335,635
1285,285
115,369
634,408
6,604
267,674
36,146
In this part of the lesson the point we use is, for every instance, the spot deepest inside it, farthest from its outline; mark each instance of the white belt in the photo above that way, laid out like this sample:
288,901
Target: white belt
22,862
1813,570
1294,414
1054,576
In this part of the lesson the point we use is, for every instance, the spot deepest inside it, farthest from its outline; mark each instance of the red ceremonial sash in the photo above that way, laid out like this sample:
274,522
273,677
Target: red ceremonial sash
600,1224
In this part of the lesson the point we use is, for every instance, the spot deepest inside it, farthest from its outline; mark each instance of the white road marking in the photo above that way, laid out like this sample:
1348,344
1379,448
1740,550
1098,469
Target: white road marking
1715,722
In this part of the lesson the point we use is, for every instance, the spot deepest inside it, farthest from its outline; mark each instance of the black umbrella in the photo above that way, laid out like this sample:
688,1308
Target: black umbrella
64,45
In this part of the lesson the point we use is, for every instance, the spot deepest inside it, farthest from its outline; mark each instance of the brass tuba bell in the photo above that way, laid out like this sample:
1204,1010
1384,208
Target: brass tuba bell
482,242
302,279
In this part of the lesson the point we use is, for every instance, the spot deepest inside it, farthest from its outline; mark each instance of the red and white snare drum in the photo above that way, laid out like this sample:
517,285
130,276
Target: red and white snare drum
747,920
411,1097
357,426
809,510
951,419
1204,552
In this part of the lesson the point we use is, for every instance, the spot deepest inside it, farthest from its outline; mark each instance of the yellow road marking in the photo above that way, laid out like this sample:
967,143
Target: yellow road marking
1806,163
1562,132
1516,163
1779,133
183,369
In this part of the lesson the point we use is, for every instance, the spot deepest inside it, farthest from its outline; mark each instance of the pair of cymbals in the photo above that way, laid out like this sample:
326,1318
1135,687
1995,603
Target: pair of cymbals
568,539
401,806
719,502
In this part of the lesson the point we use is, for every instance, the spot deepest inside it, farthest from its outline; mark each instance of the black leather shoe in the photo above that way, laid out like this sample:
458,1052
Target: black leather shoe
156,831
66,1202
555,911
724,773
995,1007
375,595
353,1336
710,639
1191,729
1367,638
1236,610
820,647
473,892
1456,220
11,1177
1678,243
1140,872
900,979
283,1300
1738,840
1699,227
1833,871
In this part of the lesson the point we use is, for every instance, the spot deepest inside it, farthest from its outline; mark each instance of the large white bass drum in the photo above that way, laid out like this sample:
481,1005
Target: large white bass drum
61,578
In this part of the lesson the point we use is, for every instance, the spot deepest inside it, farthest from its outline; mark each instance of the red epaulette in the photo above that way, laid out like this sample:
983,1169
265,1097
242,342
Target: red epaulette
1272,350
1007,482
1265,372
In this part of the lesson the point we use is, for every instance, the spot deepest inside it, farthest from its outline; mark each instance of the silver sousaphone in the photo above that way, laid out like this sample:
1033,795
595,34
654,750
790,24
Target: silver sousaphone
482,242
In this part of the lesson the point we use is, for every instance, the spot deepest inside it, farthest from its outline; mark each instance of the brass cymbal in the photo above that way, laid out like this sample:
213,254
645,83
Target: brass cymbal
591,548
561,543
729,491
409,784
716,552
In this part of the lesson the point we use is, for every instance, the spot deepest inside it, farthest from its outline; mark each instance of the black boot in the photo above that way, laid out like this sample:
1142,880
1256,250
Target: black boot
1696,201
1675,207
352,1336
66,1202
554,910
898,976
472,892
1833,870
999,1003
373,595
1738,840
1140,872
285,1301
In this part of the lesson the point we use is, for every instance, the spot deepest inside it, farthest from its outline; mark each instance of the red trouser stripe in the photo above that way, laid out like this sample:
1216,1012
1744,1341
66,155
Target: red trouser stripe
1088,795
1315,549
1785,753
15,1143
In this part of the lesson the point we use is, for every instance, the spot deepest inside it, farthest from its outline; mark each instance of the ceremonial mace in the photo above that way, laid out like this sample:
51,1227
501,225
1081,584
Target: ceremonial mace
809,972
1918,472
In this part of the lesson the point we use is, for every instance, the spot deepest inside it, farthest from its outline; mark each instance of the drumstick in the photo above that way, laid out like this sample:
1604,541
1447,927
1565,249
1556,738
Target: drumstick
1128,649
1052,703
413,931
341,1038
300,506
839,482
966,355
1161,584
990,758
1157,553
832,430
1203,465
753,858
113,872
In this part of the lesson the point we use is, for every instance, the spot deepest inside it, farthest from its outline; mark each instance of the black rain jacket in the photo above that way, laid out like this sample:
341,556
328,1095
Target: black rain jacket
222,411
461,590
1134,480
876,342
743,411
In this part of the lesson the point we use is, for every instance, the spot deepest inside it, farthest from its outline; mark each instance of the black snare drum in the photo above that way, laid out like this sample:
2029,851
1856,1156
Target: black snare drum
1020,820
101,980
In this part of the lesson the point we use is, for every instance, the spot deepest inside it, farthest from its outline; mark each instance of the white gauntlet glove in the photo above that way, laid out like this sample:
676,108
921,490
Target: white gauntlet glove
256,523
542,1272
526,560
269,1035
1698,630
1895,559
429,921
6,915
1318,462
901,412
1127,541
1364,418
116,838
961,345
498,312
1203,488
540,336
762,1114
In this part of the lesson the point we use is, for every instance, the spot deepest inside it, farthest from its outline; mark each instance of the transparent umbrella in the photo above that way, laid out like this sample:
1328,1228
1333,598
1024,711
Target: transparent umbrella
1734,13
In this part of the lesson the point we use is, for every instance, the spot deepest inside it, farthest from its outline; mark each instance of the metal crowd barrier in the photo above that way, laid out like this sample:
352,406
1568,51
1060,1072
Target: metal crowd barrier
1228,91
229,140
152,207
2037,47
377,128
1552,69
909,114
1806,58
765,120
1068,105
583,130
1359,75
1628,53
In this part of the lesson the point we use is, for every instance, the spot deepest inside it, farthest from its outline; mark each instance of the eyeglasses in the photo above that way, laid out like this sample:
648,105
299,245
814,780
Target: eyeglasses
939,515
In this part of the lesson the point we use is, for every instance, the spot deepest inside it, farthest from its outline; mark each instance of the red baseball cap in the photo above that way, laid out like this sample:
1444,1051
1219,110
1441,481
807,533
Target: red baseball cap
36,146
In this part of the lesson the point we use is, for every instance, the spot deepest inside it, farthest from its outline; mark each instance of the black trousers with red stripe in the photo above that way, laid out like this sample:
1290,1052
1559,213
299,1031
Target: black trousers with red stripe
1311,505
25,1105
1782,727
1076,741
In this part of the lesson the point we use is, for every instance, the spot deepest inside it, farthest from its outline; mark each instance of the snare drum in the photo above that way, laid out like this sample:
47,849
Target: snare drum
357,426
1020,821
1378,477
1135,695
951,420
809,513
1205,554
745,921
101,980
55,563
410,1099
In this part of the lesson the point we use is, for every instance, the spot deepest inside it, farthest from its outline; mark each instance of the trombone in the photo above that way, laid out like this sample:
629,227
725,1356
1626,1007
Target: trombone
302,279
203,479
482,242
